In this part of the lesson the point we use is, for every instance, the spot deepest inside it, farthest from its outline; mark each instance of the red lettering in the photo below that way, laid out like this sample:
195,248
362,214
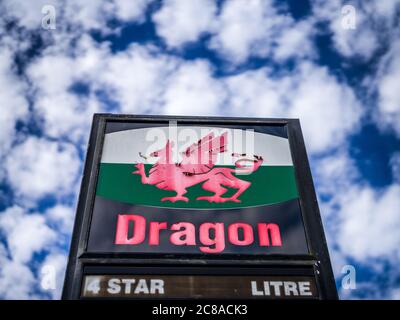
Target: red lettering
265,231
139,229
233,234
218,241
188,233
131,230
154,237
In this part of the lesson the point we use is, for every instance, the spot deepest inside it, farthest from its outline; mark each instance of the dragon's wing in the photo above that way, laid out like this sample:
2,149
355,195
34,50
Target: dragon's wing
200,157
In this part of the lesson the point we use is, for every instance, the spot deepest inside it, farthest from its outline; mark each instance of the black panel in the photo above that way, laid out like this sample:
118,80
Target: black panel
286,215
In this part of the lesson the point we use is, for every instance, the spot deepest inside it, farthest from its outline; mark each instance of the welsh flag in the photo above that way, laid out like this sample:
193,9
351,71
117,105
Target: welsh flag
195,167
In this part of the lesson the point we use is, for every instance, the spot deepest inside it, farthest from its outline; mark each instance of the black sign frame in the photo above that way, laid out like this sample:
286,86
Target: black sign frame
318,260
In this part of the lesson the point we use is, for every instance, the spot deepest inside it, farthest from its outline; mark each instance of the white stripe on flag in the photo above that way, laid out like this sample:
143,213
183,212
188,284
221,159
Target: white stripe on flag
125,146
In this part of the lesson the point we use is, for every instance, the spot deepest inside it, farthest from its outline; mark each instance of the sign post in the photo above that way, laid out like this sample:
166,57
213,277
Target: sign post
178,207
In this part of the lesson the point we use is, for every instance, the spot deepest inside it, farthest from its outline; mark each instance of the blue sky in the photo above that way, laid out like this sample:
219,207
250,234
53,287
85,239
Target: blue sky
300,59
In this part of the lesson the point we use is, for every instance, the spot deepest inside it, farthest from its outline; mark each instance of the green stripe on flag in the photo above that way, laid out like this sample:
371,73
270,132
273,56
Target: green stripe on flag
270,185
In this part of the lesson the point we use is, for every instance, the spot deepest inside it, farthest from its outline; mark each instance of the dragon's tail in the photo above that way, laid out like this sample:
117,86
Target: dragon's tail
242,168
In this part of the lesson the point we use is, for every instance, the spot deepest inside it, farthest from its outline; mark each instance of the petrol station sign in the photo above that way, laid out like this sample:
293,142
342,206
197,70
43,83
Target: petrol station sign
175,207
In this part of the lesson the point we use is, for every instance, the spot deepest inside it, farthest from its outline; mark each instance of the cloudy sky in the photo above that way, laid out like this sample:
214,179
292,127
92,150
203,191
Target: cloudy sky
303,59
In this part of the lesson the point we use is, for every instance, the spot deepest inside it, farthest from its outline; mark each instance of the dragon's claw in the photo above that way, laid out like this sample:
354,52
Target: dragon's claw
216,199
174,199
139,167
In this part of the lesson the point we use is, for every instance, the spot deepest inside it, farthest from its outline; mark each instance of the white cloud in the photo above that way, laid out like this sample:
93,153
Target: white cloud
193,90
26,234
136,77
395,164
62,216
242,26
376,31
179,22
388,87
337,171
66,113
139,79
361,42
90,15
13,104
16,279
84,15
374,25
294,41
257,93
369,223
45,73
52,272
127,10
241,30
39,167
28,13
394,294
338,260
360,225
255,28
328,110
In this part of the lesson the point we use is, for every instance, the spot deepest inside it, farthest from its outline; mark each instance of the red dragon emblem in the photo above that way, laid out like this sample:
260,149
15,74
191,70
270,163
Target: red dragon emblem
198,166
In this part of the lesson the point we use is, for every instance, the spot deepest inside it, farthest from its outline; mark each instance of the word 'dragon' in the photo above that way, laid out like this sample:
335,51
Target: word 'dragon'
198,166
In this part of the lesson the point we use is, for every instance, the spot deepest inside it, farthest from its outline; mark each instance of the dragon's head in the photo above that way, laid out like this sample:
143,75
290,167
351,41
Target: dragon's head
164,154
